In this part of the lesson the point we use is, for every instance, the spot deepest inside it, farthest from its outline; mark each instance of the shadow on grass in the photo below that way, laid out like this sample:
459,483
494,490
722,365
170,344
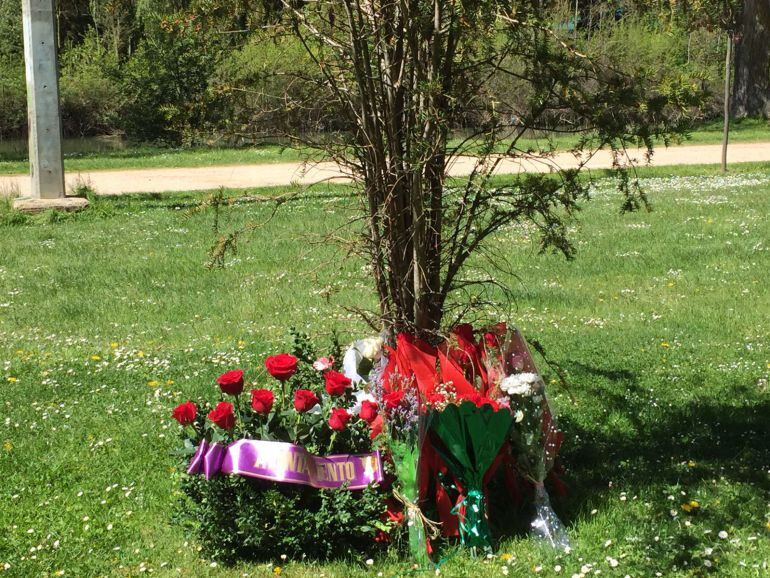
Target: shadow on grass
723,437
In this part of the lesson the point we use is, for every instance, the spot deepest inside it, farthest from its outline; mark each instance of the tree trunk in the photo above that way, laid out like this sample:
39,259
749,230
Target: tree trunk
751,89
728,74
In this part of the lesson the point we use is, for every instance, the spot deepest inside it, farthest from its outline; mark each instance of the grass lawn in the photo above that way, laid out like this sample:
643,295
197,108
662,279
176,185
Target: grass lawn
108,319
147,157
150,157
741,131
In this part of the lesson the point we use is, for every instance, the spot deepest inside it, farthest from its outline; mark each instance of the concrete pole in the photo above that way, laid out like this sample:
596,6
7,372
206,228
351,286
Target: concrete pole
45,131
45,135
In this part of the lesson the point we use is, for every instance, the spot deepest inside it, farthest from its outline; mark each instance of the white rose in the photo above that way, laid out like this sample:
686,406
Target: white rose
361,349
519,383
350,363
370,348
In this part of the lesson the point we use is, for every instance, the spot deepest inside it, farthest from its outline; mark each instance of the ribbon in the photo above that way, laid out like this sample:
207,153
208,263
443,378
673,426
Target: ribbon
470,511
207,459
414,513
285,462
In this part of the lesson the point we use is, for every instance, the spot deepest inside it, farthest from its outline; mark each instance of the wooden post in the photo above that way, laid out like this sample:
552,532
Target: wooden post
728,72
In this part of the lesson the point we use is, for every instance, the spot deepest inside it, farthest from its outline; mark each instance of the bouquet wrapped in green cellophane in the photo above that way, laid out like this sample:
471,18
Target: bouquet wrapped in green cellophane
470,439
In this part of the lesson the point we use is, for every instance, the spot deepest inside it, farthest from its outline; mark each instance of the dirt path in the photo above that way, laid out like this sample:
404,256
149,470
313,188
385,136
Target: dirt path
265,175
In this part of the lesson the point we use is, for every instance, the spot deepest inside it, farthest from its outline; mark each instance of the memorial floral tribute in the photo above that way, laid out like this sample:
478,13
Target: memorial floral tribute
485,421
400,437
283,462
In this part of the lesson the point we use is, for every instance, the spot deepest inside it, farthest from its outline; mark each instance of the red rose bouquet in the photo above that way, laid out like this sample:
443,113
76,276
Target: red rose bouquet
297,433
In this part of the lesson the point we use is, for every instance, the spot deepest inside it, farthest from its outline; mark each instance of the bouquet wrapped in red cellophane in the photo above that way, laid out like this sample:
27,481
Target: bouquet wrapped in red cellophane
479,406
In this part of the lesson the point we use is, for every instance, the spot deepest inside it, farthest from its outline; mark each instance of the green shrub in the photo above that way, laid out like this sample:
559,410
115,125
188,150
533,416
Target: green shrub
663,51
13,99
11,42
89,91
240,518
165,84
262,91
10,217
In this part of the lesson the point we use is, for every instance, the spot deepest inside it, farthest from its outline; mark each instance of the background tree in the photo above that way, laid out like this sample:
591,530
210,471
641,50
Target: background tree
751,88
114,23
400,72
721,15
108,88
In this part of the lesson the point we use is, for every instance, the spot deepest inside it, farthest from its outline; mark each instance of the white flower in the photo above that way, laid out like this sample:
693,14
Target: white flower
520,383
361,349
370,348
350,364
722,535
518,416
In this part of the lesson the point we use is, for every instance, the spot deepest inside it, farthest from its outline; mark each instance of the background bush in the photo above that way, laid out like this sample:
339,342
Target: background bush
165,83
261,93
198,71
90,91
13,99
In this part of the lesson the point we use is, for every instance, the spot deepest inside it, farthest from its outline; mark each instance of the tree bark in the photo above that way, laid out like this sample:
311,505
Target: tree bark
751,88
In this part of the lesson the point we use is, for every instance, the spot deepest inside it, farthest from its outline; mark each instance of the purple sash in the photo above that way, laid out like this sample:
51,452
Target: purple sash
285,462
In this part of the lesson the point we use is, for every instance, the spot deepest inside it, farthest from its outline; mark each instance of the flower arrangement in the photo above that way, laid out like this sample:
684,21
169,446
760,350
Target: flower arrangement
416,432
483,411
299,436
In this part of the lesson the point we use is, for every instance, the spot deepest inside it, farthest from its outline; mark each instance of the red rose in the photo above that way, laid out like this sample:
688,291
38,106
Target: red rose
339,419
336,383
304,400
393,399
262,400
368,411
376,427
222,415
281,366
231,382
394,512
185,413
382,537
